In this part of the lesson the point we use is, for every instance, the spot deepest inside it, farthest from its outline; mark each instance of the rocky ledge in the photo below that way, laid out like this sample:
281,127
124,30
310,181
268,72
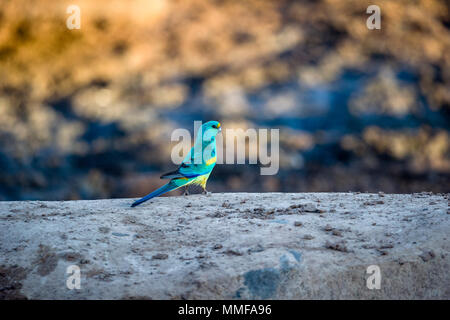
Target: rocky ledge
229,246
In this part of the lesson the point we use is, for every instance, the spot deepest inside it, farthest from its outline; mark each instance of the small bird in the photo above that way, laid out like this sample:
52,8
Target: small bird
196,166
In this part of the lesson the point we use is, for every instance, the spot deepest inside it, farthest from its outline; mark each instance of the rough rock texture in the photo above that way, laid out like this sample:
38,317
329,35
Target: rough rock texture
257,246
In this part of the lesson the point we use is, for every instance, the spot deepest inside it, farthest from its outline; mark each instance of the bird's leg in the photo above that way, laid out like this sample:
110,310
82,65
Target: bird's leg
186,191
206,192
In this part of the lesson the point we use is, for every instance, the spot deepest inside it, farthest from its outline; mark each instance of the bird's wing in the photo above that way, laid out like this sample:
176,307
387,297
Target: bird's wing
193,164
187,171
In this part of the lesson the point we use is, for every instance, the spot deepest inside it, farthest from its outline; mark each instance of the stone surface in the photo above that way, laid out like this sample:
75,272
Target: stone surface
228,246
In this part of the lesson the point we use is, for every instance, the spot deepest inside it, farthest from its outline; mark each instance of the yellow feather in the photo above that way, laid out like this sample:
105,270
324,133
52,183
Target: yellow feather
201,180
211,161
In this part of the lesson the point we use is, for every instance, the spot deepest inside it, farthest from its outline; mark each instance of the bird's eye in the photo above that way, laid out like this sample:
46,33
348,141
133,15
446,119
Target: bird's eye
214,126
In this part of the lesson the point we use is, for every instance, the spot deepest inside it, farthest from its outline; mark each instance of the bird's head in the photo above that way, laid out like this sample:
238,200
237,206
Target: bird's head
210,129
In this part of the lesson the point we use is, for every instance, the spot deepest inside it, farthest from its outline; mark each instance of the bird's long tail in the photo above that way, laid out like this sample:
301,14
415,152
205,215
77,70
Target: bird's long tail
165,188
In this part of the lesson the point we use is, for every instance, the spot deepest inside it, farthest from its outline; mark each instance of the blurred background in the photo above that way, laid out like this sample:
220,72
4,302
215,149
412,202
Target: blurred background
88,113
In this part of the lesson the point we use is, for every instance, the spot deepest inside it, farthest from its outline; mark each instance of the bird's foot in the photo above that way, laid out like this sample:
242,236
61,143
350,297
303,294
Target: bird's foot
186,192
206,193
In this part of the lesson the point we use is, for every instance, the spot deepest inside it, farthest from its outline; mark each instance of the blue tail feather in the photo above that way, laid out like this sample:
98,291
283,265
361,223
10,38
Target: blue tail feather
165,188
